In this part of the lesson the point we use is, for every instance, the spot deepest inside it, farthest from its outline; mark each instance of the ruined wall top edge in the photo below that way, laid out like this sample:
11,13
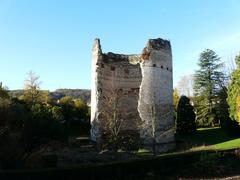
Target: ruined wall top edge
159,44
152,44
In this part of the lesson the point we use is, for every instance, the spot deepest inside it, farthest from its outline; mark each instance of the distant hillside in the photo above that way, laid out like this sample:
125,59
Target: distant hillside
16,93
84,94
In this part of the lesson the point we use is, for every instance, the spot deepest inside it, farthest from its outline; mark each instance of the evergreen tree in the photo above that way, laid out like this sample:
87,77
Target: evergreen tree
185,116
209,80
234,93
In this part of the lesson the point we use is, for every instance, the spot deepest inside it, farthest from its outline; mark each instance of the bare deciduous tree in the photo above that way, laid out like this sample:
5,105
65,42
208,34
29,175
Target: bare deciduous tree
186,84
114,112
111,113
32,87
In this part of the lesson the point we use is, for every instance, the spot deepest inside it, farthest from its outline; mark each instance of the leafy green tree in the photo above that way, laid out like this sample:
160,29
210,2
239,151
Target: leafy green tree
230,126
185,116
209,81
3,92
4,106
45,98
43,124
81,109
234,92
57,113
223,108
67,105
66,101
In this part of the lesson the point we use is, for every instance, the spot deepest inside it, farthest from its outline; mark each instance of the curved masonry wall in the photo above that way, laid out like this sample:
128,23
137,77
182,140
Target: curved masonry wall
145,83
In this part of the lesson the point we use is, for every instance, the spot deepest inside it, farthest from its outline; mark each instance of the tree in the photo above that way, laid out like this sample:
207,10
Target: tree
4,106
81,109
176,98
66,101
234,92
45,98
185,116
112,117
3,92
230,126
57,113
208,82
43,124
186,85
32,88
223,108
67,104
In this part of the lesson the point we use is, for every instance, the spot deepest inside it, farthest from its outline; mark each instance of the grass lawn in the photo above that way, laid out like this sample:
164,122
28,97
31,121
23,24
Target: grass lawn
209,138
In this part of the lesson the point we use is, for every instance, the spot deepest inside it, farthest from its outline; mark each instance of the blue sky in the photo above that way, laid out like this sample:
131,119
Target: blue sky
54,38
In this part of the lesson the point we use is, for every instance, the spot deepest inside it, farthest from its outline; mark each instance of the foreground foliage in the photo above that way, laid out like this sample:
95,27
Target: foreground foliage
33,119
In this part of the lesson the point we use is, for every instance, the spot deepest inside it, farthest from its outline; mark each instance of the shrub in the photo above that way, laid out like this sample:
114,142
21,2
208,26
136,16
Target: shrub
43,124
185,116
231,127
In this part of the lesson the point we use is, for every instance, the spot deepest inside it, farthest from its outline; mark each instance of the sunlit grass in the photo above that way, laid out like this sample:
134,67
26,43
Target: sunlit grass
205,129
210,139
235,143
204,139
143,151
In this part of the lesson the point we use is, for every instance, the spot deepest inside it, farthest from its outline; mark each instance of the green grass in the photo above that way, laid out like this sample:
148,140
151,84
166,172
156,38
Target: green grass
227,145
209,139
203,140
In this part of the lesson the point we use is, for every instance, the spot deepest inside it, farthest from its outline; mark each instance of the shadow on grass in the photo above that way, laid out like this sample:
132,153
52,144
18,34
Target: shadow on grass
202,137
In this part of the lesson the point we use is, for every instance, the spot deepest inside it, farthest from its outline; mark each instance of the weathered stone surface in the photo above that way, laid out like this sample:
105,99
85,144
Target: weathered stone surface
145,82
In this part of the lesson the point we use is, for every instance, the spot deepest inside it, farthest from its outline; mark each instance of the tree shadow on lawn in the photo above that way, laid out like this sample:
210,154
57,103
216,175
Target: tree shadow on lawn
202,137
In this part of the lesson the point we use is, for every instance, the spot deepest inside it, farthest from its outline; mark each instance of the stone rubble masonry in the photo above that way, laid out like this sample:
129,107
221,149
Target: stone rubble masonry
146,84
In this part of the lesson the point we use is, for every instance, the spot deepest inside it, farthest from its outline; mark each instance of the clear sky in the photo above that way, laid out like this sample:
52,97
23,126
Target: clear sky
54,38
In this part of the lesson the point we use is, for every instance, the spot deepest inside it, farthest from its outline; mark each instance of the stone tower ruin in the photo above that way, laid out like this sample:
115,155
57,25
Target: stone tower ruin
145,83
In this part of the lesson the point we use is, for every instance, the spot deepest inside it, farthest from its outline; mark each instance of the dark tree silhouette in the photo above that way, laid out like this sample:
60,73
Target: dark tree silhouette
185,116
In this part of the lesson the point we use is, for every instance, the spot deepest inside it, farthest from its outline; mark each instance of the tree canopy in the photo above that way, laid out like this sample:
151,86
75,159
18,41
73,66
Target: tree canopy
234,93
209,80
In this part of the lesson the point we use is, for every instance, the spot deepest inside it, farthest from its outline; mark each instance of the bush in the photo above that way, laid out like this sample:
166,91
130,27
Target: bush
231,127
126,141
43,124
185,116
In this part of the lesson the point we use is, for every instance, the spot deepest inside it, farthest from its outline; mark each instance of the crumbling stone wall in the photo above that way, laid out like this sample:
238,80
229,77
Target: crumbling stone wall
145,83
